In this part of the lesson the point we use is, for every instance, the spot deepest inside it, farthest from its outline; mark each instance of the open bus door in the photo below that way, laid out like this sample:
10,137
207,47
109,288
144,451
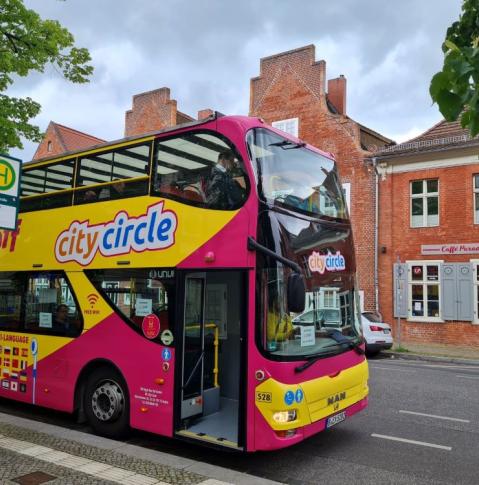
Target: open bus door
193,346
212,347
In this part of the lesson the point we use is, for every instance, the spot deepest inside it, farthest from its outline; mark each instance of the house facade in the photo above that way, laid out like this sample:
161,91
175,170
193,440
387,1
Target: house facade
292,94
429,237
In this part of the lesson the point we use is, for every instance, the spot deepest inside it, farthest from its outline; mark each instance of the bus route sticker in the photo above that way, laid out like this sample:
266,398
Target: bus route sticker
166,337
166,354
151,326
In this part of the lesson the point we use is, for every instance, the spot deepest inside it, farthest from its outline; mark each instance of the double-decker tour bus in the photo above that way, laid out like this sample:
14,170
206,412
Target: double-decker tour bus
197,282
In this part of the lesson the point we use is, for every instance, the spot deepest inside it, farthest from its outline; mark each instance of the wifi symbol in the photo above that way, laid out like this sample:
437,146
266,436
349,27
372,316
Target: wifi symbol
92,299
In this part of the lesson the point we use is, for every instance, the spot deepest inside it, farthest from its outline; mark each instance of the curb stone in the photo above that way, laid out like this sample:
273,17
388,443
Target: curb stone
429,358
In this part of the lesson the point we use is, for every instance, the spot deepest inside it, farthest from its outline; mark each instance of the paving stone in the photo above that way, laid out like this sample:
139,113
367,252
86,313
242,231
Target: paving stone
153,472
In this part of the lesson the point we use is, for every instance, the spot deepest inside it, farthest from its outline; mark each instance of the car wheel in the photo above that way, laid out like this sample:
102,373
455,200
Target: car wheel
106,403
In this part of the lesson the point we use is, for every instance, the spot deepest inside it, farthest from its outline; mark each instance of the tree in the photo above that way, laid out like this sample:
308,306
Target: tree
456,88
28,43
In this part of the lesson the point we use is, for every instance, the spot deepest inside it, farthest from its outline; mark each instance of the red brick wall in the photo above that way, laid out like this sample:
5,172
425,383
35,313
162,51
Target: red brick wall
291,85
456,225
56,147
151,111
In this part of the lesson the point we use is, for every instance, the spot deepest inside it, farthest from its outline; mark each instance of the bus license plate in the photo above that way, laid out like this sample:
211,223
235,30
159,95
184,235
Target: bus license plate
337,418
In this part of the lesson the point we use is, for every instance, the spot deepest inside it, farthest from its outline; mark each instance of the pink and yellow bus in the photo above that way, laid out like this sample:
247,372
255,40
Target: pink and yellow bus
197,283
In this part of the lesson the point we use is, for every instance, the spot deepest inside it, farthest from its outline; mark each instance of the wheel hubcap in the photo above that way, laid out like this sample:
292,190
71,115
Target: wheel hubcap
108,401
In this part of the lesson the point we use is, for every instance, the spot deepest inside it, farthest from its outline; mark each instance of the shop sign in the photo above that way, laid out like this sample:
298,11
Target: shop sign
432,249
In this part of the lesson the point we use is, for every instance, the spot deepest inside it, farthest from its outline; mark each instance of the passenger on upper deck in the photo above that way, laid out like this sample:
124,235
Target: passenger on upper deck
222,191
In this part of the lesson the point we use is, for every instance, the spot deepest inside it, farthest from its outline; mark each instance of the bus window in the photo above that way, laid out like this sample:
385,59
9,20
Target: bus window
55,177
138,293
118,170
185,170
50,306
11,290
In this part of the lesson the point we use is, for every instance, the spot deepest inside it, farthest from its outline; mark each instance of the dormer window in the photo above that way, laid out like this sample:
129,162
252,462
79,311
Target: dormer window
49,146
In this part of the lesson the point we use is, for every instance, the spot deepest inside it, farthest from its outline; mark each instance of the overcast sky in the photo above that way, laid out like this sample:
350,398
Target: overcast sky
207,51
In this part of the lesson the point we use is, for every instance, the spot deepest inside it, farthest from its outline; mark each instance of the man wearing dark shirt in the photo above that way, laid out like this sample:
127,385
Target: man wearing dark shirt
223,192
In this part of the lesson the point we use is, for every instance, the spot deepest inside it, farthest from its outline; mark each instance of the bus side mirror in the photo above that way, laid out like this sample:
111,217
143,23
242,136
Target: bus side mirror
296,293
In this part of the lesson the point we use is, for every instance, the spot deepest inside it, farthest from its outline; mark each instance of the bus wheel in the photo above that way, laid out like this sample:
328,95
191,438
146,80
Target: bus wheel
106,403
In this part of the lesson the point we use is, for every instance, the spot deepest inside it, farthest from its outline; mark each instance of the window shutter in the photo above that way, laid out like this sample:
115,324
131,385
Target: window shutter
400,290
448,291
464,292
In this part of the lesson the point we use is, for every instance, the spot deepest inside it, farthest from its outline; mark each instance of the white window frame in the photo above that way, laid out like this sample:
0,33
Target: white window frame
425,283
347,194
475,282
290,126
475,190
424,195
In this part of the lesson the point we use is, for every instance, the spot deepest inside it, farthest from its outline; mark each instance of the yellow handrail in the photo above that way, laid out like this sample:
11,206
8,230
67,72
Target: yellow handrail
216,344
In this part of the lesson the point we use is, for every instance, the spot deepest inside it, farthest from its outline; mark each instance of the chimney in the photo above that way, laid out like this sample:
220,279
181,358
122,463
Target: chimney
337,93
205,113
153,110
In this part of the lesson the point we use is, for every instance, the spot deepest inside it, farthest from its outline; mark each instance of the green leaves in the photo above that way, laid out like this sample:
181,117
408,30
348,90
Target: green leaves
28,43
456,88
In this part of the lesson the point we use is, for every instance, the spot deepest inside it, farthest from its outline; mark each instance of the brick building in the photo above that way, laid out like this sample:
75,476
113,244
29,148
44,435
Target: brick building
429,236
59,139
290,93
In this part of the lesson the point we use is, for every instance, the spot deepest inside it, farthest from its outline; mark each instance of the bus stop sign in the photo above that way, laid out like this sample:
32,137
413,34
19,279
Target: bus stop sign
9,191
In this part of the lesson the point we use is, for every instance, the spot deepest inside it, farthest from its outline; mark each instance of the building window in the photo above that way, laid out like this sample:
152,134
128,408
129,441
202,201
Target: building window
424,291
288,126
424,203
476,199
49,146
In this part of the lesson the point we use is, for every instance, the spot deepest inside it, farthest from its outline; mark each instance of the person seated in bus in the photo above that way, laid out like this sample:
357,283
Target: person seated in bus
279,326
61,322
114,191
222,191
90,195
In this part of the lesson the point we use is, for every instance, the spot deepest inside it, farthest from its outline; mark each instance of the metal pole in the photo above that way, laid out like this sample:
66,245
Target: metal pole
399,299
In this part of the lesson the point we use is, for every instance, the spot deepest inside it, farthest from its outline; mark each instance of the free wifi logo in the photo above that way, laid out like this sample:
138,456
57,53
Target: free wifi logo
92,299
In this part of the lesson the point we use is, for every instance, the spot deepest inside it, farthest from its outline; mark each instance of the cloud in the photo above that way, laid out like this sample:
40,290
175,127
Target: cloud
206,53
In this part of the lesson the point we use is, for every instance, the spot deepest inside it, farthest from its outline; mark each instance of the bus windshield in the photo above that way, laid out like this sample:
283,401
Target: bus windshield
295,177
329,320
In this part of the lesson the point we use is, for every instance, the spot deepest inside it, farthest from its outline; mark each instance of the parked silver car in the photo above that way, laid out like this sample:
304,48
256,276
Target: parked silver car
377,334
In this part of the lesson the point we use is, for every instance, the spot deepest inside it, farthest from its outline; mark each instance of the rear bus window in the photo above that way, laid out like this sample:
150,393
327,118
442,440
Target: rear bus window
11,290
55,177
144,297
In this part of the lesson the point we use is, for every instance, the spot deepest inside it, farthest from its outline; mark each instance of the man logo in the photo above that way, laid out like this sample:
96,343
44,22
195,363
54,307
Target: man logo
336,398
7,175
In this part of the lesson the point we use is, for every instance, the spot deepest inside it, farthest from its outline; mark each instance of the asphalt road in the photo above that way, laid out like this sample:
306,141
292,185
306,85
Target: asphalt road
421,427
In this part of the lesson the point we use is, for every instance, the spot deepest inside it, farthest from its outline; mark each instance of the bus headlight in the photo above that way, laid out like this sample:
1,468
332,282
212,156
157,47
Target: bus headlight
285,416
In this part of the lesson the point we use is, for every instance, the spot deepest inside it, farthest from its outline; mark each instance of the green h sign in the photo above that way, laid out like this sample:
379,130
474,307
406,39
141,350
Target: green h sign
9,191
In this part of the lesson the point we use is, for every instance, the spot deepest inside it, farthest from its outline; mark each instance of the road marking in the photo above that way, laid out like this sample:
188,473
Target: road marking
390,368
467,377
412,442
435,416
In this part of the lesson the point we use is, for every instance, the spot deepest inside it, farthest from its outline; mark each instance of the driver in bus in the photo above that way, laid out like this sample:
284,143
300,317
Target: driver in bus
222,191
279,326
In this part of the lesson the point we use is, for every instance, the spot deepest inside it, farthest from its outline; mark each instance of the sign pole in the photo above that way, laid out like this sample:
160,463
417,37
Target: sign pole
399,299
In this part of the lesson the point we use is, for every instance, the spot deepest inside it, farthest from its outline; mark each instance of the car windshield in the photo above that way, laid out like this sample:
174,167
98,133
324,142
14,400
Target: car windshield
296,177
329,309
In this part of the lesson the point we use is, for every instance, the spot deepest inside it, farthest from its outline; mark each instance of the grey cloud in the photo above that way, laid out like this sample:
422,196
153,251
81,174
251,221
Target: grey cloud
206,52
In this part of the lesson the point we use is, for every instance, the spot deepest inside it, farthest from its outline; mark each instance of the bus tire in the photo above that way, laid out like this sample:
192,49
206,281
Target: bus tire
106,403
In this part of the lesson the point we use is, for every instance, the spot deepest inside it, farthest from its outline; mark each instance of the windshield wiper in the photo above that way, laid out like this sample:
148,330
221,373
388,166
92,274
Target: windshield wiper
287,145
340,339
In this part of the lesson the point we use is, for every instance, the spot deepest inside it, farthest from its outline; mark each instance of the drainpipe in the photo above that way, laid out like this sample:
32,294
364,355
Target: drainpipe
376,236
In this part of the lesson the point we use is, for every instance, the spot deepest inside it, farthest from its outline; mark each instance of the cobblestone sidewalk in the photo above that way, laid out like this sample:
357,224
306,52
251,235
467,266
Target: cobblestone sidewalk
32,453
